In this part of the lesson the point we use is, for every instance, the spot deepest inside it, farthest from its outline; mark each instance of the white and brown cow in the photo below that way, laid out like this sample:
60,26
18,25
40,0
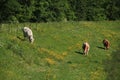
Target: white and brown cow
106,44
27,32
86,48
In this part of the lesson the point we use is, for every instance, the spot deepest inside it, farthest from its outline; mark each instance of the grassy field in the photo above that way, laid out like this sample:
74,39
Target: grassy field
56,53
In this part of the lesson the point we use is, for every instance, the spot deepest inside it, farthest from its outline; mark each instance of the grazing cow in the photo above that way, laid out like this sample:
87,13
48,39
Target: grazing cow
86,48
27,32
106,44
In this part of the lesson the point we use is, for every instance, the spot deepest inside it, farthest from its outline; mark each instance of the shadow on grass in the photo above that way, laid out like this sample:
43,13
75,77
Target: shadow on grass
100,47
69,62
20,38
78,52
112,66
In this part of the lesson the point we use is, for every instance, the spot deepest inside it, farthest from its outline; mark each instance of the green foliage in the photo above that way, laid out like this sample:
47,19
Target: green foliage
9,8
95,10
112,10
58,10
26,11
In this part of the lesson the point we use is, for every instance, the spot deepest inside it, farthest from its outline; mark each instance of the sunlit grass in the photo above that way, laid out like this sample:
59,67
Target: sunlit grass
57,51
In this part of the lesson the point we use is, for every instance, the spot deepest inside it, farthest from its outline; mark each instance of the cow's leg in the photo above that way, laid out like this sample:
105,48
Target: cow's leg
31,39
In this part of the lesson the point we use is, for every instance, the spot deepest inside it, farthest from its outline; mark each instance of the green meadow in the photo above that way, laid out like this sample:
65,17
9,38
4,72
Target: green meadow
57,54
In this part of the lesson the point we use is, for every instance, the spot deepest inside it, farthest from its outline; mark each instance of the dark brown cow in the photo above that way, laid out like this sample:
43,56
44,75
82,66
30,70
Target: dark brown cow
106,44
86,48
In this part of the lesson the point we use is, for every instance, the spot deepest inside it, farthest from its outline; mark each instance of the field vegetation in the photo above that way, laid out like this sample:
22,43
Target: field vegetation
56,53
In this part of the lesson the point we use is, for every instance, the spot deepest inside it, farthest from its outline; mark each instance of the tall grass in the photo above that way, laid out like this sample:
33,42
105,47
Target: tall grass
57,52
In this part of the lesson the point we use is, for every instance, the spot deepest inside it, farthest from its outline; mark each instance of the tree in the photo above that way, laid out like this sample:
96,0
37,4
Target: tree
112,9
58,10
8,10
95,10
80,9
26,10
